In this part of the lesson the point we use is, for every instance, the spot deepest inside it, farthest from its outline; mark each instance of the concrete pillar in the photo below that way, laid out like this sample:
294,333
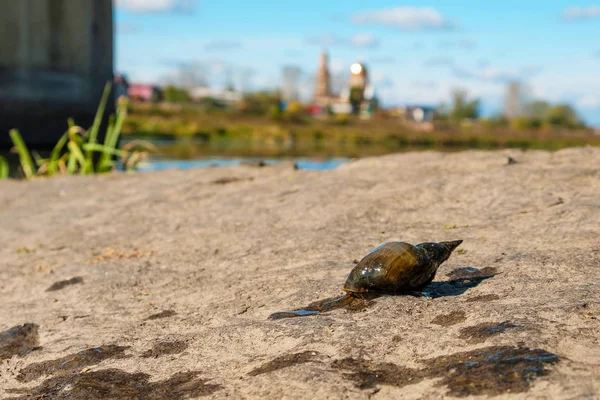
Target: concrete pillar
55,57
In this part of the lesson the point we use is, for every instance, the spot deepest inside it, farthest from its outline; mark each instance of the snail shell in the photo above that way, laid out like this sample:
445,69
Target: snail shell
398,267
394,267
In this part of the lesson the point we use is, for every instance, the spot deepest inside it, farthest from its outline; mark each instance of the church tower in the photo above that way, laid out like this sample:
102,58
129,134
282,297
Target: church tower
322,90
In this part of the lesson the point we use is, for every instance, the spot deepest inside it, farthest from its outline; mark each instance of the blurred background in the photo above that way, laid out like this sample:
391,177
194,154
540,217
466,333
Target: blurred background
231,81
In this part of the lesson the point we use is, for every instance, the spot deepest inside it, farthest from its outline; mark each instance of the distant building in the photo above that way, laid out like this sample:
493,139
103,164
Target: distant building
143,92
228,97
357,97
322,84
419,114
419,117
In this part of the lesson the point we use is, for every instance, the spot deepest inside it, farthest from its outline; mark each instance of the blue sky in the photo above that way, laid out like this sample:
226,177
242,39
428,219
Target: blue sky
415,52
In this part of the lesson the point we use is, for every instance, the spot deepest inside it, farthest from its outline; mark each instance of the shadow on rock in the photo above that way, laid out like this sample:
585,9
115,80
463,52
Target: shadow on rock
453,318
71,363
284,361
350,303
63,284
481,332
18,340
117,384
462,280
165,348
489,371
483,298
162,314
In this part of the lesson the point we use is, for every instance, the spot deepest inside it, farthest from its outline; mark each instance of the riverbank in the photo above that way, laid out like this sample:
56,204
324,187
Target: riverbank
186,131
162,282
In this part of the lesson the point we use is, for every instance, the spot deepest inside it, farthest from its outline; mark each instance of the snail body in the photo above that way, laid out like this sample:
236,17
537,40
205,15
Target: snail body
393,267
398,267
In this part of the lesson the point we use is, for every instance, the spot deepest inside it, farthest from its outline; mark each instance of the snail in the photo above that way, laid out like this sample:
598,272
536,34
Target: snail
392,268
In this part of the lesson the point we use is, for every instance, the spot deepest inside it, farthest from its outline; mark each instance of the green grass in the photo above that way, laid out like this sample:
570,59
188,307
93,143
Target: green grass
24,156
3,168
77,149
238,134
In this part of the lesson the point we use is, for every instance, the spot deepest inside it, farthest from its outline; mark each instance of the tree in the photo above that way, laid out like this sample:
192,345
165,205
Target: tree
537,109
540,113
564,116
260,103
174,94
356,99
463,108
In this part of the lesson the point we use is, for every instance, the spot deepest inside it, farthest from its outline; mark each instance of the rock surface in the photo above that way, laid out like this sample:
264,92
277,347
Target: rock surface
180,269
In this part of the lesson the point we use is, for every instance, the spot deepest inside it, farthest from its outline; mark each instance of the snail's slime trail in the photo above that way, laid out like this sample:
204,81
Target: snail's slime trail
317,307
393,267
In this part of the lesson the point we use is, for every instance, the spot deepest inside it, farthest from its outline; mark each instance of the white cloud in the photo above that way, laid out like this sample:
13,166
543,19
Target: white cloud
588,101
405,18
361,40
156,6
578,13
364,40
491,74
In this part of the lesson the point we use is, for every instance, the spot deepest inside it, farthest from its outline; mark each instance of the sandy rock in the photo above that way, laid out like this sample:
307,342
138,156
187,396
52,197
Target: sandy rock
177,272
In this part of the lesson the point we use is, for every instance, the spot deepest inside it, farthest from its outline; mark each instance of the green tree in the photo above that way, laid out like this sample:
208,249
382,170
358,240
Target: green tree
463,108
176,95
356,99
564,116
261,103
537,109
540,113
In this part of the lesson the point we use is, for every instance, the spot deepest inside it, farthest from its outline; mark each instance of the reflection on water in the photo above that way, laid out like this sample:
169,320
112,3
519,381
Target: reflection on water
301,163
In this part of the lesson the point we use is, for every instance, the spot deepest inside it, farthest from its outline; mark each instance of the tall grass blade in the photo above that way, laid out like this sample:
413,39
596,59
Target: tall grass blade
71,162
76,154
121,114
103,149
105,163
39,161
112,135
93,132
55,155
24,156
3,168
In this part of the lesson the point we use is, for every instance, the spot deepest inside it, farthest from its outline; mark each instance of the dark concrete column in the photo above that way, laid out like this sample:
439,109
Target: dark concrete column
55,57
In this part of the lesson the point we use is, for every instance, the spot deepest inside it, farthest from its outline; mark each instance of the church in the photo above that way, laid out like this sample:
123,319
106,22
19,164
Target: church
358,97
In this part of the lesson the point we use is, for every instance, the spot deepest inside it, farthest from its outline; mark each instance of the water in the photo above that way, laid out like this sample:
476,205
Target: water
301,163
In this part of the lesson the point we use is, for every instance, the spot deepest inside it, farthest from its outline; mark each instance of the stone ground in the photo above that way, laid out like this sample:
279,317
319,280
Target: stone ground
159,285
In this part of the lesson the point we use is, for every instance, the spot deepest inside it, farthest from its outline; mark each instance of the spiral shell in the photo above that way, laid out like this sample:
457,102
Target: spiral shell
398,267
